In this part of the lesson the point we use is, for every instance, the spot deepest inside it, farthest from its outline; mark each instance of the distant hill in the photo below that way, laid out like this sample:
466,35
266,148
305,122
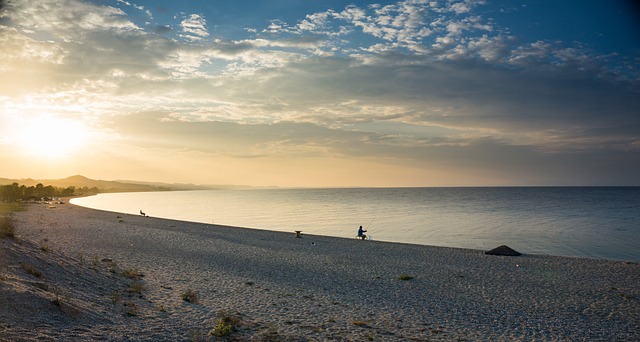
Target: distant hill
175,186
104,185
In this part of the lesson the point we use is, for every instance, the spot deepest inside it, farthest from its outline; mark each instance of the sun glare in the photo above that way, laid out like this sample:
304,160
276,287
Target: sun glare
51,137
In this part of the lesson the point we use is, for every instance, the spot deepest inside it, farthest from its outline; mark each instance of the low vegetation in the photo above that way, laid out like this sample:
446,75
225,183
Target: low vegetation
226,324
8,208
221,329
115,297
57,298
135,288
7,228
131,309
44,246
359,323
16,192
30,269
57,301
190,296
132,273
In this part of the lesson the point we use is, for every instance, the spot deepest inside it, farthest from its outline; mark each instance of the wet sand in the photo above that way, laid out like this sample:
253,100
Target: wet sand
120,277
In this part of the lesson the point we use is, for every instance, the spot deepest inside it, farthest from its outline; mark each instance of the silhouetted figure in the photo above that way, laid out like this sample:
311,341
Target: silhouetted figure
361,233
142,213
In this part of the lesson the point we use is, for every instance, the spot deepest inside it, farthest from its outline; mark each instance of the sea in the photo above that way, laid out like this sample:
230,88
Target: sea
587,222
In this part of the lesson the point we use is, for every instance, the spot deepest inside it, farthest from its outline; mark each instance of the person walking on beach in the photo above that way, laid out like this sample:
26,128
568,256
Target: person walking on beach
361,233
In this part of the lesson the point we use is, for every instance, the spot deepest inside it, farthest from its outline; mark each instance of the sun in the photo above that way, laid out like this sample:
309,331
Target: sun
51,137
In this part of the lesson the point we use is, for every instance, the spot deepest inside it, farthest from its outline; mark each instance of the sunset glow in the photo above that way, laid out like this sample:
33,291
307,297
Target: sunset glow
50,137
330,93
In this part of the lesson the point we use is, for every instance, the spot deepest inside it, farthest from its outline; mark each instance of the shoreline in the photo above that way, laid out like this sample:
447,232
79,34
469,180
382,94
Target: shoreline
117,213
319,287
602,234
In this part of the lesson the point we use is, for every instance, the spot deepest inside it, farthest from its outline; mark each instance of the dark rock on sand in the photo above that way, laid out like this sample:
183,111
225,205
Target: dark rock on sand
503,250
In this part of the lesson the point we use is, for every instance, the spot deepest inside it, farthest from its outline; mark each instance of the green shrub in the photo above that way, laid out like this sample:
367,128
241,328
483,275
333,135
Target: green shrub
221,329
226,324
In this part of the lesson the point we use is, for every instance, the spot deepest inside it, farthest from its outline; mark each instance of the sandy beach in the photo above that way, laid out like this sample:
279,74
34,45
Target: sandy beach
74,273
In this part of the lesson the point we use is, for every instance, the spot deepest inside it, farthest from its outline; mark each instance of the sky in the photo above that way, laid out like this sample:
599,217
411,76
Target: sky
327,93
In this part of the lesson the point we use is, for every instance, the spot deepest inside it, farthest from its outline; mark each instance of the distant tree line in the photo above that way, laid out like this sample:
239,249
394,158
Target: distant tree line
17,192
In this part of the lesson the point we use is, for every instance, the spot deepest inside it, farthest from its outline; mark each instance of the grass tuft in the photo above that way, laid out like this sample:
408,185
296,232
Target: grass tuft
131,309
7,228
132,273
135,287
115,297
221,329
44,246
57,299
226,325
270,333
30,269
359,323
405,277
190,296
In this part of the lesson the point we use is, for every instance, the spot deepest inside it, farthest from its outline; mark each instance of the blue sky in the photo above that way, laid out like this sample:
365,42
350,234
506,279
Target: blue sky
323,93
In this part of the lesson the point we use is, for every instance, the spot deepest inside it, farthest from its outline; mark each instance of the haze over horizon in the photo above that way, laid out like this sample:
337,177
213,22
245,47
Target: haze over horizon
322,93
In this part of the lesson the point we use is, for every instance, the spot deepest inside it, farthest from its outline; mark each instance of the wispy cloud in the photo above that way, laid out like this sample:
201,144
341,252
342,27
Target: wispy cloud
194,27
66,18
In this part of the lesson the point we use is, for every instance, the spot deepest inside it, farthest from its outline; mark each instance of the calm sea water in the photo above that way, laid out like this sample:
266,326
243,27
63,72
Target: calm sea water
594,222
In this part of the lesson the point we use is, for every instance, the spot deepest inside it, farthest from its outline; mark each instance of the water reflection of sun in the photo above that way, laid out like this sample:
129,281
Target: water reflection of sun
51,137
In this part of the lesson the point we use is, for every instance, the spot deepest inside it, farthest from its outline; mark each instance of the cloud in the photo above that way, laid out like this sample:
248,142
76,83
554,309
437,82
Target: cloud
314,22
432,83
435,42
19,47
138,7
155,129
465,6
194,27
488,157
67,18
435,29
